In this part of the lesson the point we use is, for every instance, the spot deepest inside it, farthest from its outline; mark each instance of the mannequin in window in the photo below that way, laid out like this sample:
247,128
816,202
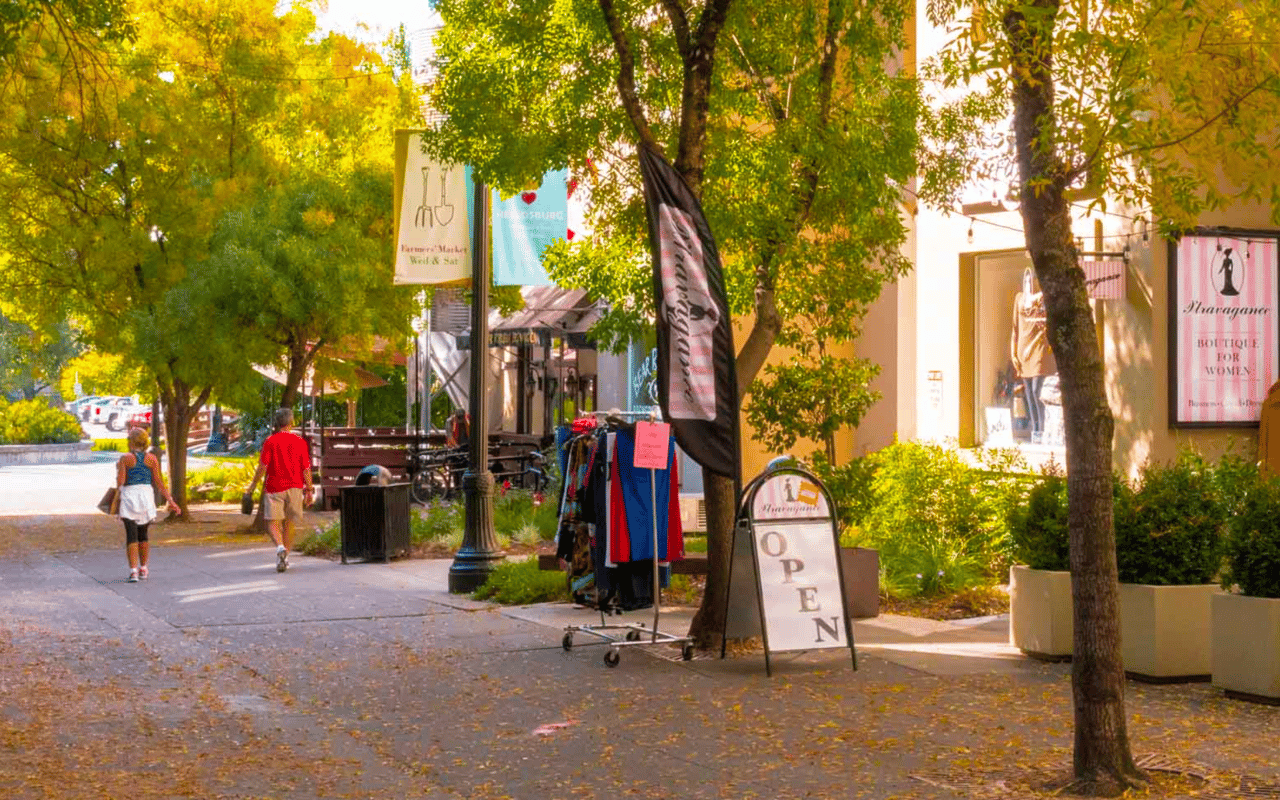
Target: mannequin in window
1029,349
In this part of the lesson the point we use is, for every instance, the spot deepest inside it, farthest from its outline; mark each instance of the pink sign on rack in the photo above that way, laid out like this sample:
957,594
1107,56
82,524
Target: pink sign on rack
653,443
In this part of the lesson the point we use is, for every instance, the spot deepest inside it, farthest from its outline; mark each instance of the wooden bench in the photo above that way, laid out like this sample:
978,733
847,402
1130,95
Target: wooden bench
340,453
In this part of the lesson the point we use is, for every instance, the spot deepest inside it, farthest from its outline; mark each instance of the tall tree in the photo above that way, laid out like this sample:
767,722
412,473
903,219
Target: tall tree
32,360
1163,106
782,119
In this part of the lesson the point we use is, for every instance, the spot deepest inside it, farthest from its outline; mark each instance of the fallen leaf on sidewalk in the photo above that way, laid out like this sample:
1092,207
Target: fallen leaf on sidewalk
552,727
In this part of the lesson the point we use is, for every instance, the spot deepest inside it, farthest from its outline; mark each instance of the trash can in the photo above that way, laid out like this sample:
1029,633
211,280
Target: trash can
375,521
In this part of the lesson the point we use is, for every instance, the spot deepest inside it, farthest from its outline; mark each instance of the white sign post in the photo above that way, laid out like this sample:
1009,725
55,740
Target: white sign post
787,537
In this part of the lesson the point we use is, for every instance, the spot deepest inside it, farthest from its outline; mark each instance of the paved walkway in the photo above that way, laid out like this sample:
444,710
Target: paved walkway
219,677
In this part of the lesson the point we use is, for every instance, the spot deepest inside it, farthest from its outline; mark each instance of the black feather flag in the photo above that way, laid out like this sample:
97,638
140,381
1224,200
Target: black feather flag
697,378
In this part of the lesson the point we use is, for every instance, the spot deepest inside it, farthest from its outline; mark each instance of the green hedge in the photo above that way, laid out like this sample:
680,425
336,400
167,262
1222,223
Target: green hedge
34,422
1253,542
1172,534
521,583
939,523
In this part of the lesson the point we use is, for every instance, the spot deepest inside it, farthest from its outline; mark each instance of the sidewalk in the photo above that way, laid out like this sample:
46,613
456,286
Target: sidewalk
219,677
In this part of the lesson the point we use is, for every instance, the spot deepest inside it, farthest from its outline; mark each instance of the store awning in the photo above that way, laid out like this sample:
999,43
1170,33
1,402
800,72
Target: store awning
549,312
362,379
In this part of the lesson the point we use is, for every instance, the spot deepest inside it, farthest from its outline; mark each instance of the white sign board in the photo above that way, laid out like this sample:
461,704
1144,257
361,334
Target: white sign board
785,582
800,585
433,232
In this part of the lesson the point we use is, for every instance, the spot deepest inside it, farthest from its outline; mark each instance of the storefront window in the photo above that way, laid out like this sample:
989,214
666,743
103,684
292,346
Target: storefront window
1018,401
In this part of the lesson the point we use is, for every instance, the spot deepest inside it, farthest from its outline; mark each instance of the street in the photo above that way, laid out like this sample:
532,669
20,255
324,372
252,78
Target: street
219,678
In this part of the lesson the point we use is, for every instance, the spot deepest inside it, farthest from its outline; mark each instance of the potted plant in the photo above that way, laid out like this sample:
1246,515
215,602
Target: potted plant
1169,546
1040,586
1246,621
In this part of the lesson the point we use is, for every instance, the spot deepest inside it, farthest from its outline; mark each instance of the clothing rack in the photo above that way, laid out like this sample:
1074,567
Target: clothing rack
633,634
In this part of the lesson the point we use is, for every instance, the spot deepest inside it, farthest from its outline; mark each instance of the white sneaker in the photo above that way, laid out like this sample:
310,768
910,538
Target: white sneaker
133,576
282,559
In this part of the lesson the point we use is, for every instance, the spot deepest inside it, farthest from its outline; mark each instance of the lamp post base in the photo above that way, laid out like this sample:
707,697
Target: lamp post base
479,552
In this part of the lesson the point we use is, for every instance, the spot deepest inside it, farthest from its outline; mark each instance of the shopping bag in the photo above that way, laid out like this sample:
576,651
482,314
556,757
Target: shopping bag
246,503
108,500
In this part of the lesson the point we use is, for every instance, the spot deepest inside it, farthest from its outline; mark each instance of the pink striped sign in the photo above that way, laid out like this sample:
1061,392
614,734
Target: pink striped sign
1104,279
1225,328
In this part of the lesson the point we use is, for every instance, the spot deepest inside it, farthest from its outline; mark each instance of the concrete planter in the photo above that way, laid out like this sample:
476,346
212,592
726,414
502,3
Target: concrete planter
1040,612
1246,646
1165,631
861,568
77,452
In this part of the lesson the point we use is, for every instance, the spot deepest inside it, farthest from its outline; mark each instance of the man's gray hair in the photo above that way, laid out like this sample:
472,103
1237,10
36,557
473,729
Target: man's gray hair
283,419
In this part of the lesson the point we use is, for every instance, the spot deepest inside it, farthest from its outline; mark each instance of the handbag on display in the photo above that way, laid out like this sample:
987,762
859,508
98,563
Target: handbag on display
107,501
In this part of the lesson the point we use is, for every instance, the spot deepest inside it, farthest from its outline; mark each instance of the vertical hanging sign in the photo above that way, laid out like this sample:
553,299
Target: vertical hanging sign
787,539
433,209
1224,327
697,377
524,225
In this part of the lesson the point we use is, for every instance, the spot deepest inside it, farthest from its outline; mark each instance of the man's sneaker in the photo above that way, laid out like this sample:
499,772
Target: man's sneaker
282,560
142,573
133,576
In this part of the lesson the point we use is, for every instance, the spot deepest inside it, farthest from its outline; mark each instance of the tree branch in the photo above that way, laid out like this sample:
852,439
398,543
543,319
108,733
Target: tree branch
679,26
627,75
1224,111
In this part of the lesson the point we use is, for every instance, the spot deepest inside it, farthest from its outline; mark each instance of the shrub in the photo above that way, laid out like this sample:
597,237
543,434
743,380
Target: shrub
437,523
519,583
850,487
938,523
322,541
110,445
1173,536
516,509
224,482
34,422
1253,542
1039,529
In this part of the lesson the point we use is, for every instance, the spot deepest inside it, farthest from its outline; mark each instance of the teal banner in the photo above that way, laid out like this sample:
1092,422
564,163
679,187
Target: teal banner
523,226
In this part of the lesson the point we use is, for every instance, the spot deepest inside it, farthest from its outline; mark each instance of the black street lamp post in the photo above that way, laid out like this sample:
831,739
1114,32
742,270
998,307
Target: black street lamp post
479,552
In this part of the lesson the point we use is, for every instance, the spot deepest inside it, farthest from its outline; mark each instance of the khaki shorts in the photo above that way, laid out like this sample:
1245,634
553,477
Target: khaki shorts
282,505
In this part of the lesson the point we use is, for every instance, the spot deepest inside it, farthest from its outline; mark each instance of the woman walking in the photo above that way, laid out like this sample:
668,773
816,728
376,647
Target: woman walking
137,473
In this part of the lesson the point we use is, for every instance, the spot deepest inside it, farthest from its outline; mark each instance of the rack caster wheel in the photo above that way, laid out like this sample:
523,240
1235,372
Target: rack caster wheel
567,642
633,636
686,652
611,658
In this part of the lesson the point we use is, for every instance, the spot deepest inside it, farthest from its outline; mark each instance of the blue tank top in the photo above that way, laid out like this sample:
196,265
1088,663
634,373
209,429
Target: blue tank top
139,473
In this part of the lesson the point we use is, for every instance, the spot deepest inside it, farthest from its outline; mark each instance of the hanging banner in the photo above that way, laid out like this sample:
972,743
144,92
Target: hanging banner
1104,280
523,226
433,216
786,580
697,378
1223,315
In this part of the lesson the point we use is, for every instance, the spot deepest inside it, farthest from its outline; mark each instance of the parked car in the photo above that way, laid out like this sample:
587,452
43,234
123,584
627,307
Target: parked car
118,414
77,407
94,411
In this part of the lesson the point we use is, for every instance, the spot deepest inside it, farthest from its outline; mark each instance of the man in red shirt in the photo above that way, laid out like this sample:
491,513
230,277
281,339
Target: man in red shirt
286,462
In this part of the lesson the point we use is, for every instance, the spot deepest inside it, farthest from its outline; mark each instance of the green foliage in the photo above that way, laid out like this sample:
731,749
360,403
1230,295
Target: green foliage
437,522
799,176
30,359
811,401
1253,541
849,485
34,422
939,524
110,445
517,509
1173,534
520,583
224,482
1041,538
323,541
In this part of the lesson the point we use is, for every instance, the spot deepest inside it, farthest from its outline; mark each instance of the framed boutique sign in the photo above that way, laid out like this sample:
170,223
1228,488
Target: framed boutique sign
1224,326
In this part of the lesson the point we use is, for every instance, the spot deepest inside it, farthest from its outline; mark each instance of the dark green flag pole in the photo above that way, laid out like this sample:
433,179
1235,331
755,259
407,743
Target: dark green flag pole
479,552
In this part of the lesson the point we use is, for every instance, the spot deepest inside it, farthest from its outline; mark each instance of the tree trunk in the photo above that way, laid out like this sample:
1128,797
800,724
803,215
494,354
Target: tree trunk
1103,763
179,412
707,627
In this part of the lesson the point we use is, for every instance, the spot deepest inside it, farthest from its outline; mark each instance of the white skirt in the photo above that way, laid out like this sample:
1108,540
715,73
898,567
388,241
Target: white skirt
138,503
